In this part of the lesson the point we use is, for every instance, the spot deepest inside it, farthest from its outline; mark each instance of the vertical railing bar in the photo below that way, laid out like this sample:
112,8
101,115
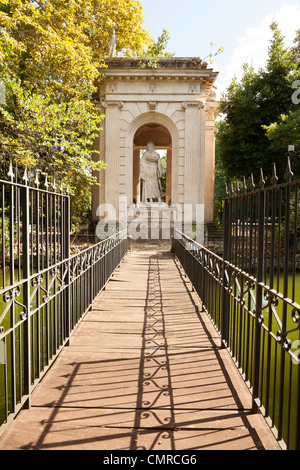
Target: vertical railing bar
12,308
38,342
284,309
295,244
249,243
287,440
258,307
32,271
26,294
297,418
31,232
270,319
18,222
55,273
262,368
61,271
241,250
47,241
50,231
20,363
266,239
6,380
42,266
3,237
236,263
279,239
274,383
226,250
242,316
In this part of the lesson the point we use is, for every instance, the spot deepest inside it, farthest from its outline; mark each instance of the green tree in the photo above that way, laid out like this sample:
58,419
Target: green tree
285,132
258,100
51,56
157,49
56,46
296,50
220,178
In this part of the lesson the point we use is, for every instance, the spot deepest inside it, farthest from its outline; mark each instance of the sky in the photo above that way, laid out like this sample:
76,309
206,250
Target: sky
241,28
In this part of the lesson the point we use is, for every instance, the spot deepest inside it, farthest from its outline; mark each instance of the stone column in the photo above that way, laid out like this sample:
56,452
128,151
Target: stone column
169,177
136,175
98,190
112,152
194,171
96,197
211,131
210,174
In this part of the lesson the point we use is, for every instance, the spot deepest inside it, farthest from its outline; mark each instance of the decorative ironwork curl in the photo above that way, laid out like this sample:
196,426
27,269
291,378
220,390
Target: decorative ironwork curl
296,315
11,294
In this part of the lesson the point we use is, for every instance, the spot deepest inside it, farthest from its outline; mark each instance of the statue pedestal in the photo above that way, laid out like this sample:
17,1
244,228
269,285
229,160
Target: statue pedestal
152,221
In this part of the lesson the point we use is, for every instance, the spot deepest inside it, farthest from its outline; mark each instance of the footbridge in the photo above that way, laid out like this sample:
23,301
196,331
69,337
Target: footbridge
119,347
145,369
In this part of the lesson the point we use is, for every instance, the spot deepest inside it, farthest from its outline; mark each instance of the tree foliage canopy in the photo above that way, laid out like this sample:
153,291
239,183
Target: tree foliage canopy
51,54
259,113
56,46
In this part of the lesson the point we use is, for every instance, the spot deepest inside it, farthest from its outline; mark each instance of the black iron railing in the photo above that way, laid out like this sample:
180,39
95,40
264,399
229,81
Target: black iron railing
252,294
44,292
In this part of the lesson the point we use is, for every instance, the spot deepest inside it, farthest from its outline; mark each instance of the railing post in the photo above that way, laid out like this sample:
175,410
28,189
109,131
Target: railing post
26,293
226,251
66,256
259,293
284,326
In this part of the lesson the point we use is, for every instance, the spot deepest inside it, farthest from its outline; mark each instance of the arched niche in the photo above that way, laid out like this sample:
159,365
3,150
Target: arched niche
161,137
161,130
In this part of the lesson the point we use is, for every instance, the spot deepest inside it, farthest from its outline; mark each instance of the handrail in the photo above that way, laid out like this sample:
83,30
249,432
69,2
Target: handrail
251,295
46,291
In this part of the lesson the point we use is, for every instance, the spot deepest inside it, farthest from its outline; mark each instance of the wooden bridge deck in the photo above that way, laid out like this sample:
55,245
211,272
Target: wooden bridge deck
144,370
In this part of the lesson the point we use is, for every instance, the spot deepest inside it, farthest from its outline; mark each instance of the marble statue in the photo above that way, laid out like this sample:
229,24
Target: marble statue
113,44
150,169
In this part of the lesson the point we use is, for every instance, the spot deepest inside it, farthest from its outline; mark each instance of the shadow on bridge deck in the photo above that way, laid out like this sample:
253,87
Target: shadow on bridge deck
144,370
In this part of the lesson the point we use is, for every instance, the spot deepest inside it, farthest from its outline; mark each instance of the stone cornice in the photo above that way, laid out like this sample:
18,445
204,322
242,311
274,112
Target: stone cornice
164,68
165,75
175,63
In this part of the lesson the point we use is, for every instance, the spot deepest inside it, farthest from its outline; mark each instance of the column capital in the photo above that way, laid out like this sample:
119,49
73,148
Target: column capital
212,112
192,104
212,128
112,104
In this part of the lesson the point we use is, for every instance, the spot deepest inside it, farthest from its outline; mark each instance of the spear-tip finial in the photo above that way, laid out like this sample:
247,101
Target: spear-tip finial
36,181
274,179
10,173
261,179
288,174
46,184
25,177
252,182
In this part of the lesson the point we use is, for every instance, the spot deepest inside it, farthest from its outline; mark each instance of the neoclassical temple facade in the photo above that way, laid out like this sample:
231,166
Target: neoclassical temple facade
171,102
